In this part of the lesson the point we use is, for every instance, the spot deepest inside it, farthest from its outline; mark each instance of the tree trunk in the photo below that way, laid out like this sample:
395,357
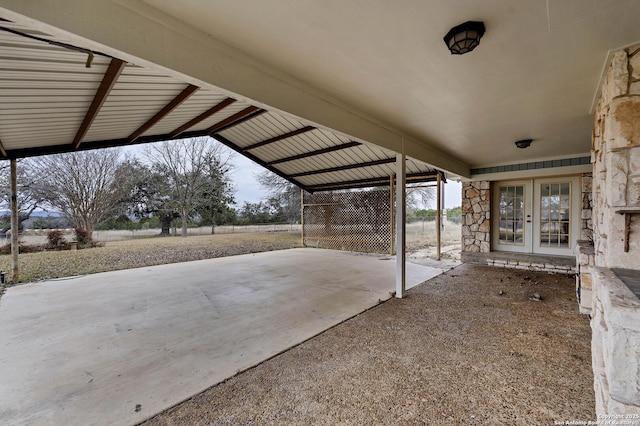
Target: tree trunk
22,216
165,223
184,223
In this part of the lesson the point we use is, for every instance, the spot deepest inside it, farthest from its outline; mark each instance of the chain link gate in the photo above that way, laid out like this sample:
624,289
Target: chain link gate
360,221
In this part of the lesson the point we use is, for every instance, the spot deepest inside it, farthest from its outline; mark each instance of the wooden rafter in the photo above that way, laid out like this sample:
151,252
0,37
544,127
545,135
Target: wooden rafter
208,113
108,81
248,117
2,150
314,153
257,160
369,182
345,167
350,184
89,145
183,96
227,122
279,138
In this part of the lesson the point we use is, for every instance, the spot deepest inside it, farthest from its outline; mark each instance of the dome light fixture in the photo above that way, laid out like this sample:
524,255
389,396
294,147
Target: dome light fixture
465,37
524,143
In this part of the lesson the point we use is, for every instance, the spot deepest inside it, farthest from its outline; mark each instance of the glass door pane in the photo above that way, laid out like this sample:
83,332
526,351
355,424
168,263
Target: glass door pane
555,215
511,223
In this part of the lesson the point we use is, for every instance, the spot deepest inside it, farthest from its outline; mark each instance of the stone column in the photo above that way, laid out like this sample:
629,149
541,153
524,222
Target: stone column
616,186
476,217
616,159
586,227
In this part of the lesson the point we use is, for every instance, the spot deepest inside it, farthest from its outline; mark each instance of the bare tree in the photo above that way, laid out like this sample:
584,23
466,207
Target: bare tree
282,195
189,165
419,194
30,191
84,186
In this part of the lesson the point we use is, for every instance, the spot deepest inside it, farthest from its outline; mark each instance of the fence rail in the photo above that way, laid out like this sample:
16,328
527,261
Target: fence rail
418,232
39,236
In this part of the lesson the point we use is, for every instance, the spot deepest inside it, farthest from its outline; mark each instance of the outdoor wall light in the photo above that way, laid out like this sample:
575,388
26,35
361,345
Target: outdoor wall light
524,143
464,37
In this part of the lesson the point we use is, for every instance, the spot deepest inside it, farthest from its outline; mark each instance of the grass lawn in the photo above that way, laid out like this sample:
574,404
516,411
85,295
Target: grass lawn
137,253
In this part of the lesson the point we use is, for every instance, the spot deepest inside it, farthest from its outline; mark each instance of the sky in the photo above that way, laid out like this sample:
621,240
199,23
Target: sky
249,190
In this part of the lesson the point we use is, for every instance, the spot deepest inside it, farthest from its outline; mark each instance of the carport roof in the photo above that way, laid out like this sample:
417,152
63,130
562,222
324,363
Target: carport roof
58,97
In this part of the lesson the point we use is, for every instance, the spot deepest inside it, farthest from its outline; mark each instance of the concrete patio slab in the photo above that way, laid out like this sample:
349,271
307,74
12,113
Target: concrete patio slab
118,347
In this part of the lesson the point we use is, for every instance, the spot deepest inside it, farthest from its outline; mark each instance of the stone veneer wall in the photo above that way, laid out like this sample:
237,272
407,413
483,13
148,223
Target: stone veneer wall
476,217
616,158
615,342
586,228
585,259
584,275
616,185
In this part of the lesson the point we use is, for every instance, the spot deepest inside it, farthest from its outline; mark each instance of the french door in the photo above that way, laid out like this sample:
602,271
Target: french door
537,216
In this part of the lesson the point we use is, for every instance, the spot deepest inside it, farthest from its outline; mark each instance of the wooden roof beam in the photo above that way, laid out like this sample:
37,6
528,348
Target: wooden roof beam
248,117
369,182
279,138
3,151
108,81
345,167
183,96
360,183
314,153
235,119
257,160
208,113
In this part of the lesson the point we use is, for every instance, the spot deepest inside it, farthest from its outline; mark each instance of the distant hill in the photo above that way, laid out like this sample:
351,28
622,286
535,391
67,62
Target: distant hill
34,214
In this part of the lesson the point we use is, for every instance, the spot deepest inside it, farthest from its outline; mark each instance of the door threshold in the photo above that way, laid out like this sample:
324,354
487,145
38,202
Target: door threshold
525,261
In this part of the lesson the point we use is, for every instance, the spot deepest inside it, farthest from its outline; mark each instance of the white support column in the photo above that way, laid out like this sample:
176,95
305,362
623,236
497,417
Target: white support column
15,266
392,194
439,218
302,216
401,272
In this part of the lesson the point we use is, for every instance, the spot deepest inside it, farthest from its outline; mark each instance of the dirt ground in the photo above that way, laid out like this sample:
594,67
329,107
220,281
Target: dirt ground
136,253
469,347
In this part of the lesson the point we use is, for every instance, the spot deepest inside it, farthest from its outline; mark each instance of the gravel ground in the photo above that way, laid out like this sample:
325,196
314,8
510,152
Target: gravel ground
469,347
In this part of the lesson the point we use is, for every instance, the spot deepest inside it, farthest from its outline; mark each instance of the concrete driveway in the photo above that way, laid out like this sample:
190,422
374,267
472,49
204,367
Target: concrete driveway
118,347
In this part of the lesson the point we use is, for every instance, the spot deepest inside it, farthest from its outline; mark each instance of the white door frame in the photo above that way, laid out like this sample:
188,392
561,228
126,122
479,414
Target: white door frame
531,217
525,245
575,196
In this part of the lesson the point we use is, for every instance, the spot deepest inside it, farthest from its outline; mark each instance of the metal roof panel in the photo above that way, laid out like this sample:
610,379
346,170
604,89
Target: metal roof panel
46,91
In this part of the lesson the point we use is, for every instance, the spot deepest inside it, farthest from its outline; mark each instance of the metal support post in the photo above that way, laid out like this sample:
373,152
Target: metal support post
439,217
15,266
302,215
392,210
401,272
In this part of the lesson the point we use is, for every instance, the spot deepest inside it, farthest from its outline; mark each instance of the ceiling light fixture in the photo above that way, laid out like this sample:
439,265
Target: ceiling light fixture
524,143
465,37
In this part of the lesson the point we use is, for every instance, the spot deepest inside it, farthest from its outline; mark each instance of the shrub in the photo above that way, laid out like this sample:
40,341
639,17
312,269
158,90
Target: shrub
22,248
82,236
56,241
85,239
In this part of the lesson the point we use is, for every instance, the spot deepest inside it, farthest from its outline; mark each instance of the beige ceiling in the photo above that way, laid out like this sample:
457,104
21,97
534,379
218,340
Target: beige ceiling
534,75
376,71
